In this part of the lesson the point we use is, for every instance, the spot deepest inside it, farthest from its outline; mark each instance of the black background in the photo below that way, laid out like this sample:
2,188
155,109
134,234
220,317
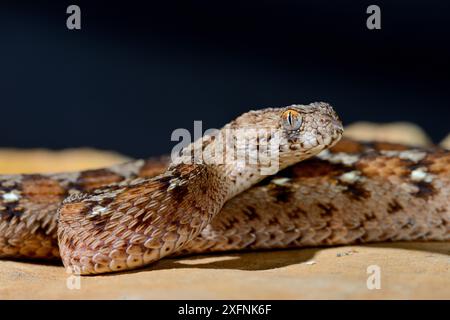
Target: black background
138,70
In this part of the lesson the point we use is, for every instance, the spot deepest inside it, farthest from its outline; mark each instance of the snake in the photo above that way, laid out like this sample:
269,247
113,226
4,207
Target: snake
326,190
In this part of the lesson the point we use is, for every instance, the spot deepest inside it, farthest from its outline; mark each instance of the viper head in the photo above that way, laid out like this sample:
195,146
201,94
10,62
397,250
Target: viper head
296,132
310,127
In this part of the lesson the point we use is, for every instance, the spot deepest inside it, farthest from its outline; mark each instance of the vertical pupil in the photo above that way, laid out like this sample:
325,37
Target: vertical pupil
290,118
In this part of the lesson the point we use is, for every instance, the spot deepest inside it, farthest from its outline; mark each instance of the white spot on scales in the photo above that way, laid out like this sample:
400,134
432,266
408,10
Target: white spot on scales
350,177
280,181
10,197
411,155
340,157
420,174
97,210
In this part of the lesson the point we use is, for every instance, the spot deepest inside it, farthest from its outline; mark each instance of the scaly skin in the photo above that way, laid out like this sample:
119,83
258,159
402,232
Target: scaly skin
355,194
123,222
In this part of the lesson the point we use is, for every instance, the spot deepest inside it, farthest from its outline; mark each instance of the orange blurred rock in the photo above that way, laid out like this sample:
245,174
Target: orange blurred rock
46,161
396,132
446,142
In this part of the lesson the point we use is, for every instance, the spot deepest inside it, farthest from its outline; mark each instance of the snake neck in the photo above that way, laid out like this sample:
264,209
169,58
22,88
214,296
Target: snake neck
238,161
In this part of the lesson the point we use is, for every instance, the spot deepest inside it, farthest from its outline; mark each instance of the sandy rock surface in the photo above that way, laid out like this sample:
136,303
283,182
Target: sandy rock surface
446,142
407,271
398,132
46,161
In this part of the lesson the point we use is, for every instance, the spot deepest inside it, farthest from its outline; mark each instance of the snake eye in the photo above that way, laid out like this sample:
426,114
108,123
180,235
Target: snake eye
292,120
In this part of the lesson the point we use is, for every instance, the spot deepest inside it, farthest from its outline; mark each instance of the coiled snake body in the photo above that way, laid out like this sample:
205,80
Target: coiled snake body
130,215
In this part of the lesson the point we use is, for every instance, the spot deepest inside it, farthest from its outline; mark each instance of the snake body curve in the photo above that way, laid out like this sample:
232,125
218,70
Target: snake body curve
133,214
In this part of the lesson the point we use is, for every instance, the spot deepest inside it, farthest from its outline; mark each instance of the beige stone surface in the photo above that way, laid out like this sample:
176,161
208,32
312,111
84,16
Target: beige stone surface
446,142
397,132
408,271
46,161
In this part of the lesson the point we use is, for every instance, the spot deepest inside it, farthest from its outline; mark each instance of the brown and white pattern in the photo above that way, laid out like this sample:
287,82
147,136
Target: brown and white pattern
123,217
355,193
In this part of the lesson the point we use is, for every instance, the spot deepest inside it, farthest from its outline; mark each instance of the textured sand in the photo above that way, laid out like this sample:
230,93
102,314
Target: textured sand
407,270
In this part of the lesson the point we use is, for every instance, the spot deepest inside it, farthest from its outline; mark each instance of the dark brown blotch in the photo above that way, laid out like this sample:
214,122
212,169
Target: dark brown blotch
41,188
250,211
316,168
328,209
348,146
153,167
389,146
179,192
297,212
93,179
394,207
370,216
426,190
281,194
356,191
10,210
